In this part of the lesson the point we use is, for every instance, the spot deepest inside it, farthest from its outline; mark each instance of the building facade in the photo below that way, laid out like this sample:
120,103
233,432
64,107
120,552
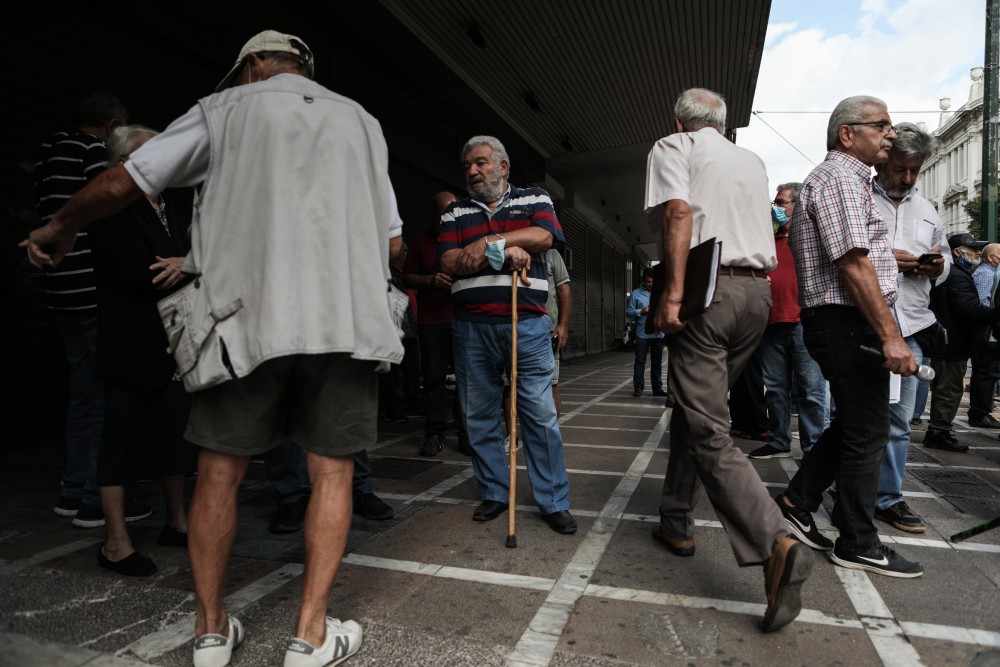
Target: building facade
954,174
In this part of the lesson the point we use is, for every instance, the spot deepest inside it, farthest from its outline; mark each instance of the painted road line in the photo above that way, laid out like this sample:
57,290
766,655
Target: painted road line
538,642
179,633
449,572
20,564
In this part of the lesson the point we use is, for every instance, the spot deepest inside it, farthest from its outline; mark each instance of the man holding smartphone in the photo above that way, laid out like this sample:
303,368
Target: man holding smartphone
916,235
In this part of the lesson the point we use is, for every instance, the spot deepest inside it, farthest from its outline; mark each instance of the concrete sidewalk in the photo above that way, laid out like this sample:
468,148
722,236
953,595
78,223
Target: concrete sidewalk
431,587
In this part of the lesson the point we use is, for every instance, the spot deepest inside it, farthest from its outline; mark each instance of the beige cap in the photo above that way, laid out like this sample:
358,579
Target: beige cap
270,40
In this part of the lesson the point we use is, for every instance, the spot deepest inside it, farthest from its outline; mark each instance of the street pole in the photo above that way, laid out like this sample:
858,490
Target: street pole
991,119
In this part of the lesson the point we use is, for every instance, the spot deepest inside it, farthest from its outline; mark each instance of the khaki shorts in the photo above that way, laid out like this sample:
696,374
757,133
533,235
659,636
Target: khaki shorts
327,403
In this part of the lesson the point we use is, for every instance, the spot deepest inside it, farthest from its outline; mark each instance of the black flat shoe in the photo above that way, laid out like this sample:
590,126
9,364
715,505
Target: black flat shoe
561,522
489,510
171,537
133,565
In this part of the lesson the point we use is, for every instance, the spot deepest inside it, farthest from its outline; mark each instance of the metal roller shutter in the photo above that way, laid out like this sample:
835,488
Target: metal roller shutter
595,314
608,323
576,262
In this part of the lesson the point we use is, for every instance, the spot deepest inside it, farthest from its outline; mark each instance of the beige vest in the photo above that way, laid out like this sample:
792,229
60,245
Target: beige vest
289,237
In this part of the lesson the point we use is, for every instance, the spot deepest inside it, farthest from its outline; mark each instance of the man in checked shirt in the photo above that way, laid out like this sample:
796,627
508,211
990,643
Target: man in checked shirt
847,285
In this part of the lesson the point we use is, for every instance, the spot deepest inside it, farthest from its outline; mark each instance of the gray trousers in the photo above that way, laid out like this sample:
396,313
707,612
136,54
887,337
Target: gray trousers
705,359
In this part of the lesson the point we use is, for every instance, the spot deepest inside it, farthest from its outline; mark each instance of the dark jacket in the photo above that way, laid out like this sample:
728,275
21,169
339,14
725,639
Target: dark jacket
956,306
131,343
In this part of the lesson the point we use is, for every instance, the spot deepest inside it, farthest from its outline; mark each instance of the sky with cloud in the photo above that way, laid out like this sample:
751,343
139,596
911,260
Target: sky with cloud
909,53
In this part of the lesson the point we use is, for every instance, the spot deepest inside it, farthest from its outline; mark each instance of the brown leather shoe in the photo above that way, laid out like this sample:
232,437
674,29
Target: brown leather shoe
784,573
677,547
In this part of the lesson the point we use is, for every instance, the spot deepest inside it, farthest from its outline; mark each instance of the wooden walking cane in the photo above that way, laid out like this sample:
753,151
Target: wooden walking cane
512,497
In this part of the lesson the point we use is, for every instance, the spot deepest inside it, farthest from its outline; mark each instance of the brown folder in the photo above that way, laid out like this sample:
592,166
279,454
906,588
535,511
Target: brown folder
700,277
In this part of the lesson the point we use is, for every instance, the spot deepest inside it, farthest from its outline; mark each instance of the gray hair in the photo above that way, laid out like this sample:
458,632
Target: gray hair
912,142
848,111
699,107
795,189
499,152
125,139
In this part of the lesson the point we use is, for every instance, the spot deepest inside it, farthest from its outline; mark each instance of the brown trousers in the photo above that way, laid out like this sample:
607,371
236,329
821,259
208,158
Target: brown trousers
705,359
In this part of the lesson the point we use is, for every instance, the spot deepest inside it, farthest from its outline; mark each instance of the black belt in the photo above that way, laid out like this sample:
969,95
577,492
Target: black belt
741,271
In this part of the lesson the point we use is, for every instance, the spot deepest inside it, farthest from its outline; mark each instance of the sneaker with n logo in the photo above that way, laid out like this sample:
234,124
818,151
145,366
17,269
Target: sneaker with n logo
879,559
343,639
803,528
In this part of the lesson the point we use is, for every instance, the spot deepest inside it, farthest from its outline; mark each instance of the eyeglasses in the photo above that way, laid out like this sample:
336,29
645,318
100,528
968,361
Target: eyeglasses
784,202
884,125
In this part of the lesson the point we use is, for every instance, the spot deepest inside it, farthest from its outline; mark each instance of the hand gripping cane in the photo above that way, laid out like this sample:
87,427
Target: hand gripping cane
512,498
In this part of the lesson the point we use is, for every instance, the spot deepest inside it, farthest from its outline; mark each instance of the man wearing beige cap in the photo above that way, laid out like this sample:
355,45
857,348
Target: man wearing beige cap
278,335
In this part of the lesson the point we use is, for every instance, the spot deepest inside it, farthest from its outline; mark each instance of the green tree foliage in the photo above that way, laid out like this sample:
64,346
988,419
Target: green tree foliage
974,209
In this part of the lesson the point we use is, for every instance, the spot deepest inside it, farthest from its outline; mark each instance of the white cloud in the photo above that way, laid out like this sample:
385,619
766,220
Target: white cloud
908,53
776,30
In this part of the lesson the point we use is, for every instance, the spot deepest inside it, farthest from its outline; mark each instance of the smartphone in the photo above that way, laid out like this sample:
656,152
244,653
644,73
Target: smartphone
928,257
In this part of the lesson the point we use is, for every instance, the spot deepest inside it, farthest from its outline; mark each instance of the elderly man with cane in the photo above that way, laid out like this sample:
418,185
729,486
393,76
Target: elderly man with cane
497,229
269,353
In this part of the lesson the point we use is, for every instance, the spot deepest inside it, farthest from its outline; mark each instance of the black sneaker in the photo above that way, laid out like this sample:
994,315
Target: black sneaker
802,526
944,440
370,506
881,560
902,517
92,516
433,444
289,517
769,451
989,421
67,506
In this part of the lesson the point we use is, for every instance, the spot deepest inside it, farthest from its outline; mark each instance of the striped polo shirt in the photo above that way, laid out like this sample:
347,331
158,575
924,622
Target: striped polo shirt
485,296
66,163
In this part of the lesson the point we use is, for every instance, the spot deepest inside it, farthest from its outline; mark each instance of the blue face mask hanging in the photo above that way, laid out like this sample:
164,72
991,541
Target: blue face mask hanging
494,253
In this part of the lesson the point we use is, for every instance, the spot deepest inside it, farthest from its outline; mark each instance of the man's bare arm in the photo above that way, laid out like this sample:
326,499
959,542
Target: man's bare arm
676,229
472,258
395,249
861,281
565,301
108,193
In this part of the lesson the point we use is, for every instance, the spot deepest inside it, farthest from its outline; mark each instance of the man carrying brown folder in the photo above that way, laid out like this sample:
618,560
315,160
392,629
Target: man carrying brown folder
698,186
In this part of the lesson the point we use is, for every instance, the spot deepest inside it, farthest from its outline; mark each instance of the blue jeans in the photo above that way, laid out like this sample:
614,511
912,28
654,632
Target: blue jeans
785,356
655,348
482,355
84,410
285,469
890,480
850,451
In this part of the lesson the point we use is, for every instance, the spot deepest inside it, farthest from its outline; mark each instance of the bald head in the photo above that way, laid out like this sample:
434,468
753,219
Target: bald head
991,254
443,200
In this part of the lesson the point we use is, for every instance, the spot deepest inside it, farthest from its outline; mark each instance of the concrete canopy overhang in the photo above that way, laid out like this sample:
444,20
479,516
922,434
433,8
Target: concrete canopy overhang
591,84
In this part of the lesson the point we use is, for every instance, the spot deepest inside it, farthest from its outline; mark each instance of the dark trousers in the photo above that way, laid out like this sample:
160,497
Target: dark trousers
654,346
84,409
436,357
850,451
285,469
946,392
985,373
747,404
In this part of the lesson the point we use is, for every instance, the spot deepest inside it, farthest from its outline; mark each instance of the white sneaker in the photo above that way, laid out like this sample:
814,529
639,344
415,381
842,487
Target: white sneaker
342,641
217,650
